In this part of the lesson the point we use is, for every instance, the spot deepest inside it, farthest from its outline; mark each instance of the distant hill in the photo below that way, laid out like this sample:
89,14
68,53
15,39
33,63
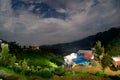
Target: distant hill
88,42
108,38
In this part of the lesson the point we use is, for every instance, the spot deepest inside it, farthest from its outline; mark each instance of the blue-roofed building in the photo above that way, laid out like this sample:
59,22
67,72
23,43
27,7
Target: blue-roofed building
82,57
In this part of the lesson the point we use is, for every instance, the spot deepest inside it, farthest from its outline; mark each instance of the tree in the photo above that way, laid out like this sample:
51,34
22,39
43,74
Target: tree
12,60
106,61
4,55
24,66
98,48
113,47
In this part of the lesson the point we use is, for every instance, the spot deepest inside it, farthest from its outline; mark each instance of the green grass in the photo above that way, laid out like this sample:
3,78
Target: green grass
41,61
7,70
36,59
10,71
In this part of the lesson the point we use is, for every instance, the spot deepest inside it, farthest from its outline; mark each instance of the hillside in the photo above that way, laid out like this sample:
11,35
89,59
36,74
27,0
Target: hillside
88,42
45,60
108,38
113,46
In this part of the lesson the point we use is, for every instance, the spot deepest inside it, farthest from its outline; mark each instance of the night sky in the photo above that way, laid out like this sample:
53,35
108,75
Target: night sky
29,22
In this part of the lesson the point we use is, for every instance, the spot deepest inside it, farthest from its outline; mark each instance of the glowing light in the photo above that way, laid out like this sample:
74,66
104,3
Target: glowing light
73,55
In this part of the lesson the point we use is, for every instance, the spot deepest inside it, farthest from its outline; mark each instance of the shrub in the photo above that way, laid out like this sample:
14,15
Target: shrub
12,60
83,73
72,73
24,66
59,71
46,74
17,68
99,73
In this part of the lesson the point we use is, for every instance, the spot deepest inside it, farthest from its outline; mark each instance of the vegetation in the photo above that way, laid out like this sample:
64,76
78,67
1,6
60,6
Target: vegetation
33,64
59,71
4,55
106,61
113,47
48,56
98,48
27,65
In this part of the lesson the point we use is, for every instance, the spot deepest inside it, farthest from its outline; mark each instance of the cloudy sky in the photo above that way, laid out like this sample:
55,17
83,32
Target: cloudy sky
83,18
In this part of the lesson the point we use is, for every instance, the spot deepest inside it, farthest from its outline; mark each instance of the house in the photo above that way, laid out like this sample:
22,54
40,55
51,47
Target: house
82,57
116,61
82,61
86,53
35,48
69,59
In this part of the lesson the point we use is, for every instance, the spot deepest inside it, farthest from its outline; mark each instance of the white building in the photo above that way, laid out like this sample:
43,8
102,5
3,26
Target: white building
116,61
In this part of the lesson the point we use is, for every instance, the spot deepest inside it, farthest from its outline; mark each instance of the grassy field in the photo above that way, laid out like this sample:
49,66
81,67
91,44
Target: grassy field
88,77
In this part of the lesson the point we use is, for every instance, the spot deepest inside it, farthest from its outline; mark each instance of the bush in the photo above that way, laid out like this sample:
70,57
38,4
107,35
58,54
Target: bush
83,73
46,74
59,71
24,66
69,73
99,73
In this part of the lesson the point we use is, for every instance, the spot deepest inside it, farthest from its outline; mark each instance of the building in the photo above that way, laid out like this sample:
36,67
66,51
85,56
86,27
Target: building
35,48
116,61
82,57
86,53
69,59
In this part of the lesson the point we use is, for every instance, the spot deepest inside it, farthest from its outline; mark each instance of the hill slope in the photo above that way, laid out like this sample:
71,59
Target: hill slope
88,42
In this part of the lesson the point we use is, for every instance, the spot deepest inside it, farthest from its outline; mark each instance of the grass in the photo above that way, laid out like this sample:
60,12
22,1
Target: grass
10,71
18,76
40,61
83,77
7,70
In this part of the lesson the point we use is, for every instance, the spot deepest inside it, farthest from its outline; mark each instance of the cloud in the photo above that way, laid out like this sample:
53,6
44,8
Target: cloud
85,17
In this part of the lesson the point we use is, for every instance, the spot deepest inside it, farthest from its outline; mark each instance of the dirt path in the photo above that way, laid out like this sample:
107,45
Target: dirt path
93,69
110,72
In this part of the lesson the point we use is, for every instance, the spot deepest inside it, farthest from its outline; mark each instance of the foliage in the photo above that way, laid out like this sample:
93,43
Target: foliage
4,55
24,66
59,69
115,77
113,47
84,77
99,73
57,59
72,73
12,60
98,48
106,61
83,73
46,73
41,61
